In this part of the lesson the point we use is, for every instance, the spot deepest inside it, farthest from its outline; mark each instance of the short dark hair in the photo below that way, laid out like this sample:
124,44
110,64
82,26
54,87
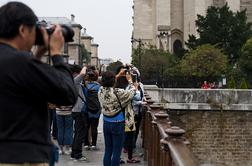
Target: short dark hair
74,68
92,73
12,15
108,79
121,82
119,69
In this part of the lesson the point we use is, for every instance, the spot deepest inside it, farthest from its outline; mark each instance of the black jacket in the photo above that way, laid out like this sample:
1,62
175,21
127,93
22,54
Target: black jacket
26,86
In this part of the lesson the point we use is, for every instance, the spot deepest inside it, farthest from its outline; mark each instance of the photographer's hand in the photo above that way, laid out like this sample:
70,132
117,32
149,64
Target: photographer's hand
41,49
129,78
56,41
121,72
83,70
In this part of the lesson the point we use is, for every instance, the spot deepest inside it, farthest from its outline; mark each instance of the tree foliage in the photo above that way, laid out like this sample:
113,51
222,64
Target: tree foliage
114,66
155,63
84,54
245,62
223,28
243,84
231,84
205,61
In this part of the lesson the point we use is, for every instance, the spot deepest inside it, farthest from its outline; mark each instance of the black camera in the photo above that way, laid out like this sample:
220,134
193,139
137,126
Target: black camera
126,71
90,72
67,32
134,77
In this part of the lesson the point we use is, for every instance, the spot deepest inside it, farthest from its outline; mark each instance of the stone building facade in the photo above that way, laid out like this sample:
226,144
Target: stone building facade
91,47
94,58
166,24
72,50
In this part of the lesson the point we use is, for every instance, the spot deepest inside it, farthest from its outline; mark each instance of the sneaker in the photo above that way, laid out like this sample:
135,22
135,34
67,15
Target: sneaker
87,147
67,150
83,158
60,152
133,161
94,148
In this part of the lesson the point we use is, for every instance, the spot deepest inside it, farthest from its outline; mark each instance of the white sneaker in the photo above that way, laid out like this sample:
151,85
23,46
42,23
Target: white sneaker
60,152
87,147
67,150
93,148
83,158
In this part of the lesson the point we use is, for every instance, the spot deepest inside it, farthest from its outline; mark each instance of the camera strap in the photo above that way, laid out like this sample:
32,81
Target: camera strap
123,110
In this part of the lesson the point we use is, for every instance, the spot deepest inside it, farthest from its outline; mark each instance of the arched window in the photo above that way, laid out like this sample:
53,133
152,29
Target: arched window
177,45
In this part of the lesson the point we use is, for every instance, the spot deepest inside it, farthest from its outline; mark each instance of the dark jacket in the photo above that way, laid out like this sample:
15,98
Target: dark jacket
26,86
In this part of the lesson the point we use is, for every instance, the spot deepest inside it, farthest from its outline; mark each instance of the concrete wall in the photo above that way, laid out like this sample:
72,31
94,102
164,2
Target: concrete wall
176,95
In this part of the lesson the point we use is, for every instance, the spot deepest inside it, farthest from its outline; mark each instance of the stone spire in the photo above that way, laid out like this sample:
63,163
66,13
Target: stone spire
218,3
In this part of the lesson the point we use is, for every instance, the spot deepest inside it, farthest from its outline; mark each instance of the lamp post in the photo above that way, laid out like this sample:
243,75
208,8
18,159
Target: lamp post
139,47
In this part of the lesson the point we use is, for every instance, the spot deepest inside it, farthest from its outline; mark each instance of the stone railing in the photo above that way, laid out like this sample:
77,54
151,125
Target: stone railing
164,144
217,122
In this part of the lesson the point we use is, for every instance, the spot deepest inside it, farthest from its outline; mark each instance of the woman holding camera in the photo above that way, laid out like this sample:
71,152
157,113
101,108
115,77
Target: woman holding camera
113,100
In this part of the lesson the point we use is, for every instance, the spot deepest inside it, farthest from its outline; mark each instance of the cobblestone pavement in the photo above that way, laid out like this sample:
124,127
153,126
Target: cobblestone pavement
95,157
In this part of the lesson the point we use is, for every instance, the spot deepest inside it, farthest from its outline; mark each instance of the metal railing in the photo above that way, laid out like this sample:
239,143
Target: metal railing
164,144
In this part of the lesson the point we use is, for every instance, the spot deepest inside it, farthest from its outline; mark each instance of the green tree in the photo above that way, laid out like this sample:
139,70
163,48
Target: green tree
114,66
231,84
205,61
155,63
243,84
85,56
224,29
245,62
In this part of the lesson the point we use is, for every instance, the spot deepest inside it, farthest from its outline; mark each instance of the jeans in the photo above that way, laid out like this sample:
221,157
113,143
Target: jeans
114,137
79,121
65,129
93,123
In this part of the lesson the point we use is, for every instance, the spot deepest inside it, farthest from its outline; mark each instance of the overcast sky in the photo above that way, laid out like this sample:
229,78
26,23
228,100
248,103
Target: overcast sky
108,21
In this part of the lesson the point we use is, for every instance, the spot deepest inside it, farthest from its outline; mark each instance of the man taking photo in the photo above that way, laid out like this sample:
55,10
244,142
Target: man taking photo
27,85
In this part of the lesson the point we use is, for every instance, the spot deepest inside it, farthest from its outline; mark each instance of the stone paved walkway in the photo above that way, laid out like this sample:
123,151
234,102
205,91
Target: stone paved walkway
95,157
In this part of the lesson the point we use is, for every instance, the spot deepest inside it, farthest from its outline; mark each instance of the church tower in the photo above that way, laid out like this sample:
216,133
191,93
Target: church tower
218,3
167,24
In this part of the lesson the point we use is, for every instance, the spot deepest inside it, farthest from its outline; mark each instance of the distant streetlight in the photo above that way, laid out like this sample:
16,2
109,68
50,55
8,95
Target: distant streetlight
139,41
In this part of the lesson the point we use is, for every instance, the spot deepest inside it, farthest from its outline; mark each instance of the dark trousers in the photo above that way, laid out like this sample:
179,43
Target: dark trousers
79,127
138,120
129,142
53,123
93,124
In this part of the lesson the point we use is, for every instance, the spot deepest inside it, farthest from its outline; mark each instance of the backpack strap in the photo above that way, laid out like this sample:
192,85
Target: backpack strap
81,98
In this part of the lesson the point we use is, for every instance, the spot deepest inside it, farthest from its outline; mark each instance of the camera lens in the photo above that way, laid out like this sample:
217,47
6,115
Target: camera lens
67,32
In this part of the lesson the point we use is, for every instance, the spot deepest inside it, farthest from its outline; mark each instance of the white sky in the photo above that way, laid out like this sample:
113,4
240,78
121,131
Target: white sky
108,21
